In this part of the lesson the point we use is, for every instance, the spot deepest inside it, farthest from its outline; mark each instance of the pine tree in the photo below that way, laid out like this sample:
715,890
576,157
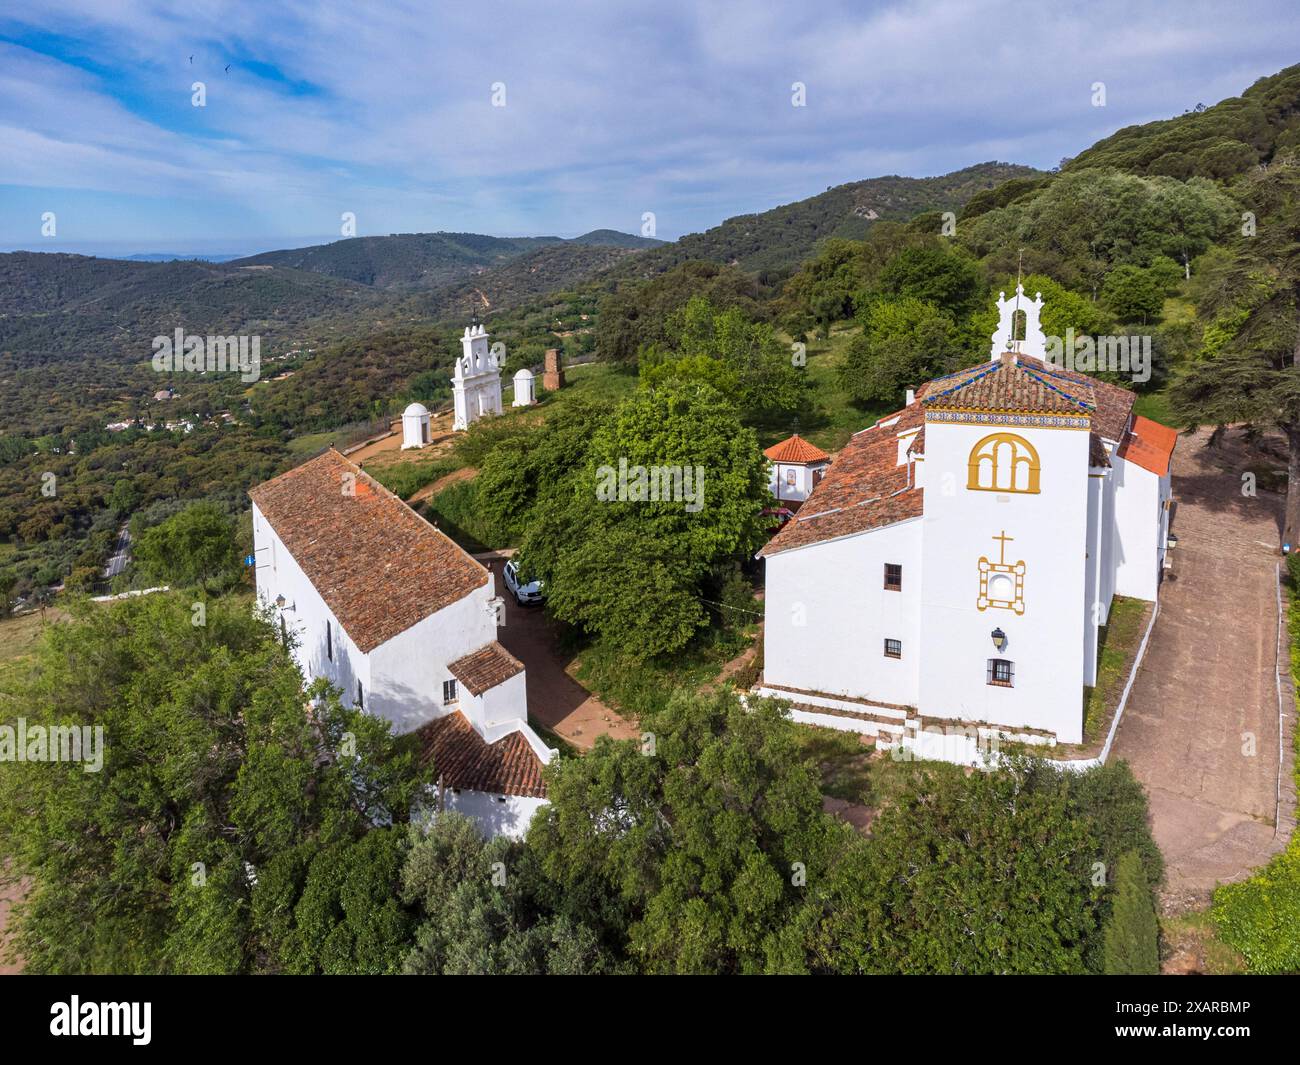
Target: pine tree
1248,368
1130,945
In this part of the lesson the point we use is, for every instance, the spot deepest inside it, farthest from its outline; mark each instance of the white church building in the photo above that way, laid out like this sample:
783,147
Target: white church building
959,556
376,600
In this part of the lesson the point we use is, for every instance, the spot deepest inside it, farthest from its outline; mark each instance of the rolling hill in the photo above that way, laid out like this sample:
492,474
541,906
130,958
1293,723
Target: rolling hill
779,239
422,261
1213,142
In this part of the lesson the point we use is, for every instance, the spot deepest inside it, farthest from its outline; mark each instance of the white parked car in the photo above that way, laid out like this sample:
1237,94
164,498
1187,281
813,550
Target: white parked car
525,592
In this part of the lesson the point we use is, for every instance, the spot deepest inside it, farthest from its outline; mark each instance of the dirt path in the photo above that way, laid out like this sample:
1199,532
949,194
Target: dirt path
465,473
441,438
555,699
1201,726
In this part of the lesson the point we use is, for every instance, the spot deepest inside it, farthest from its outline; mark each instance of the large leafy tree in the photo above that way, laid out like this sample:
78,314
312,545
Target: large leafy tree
217,835
935,275
1132,934
629,569
194,546
483,909
704,849
990,873
904,341
1247,370
524,468
739,357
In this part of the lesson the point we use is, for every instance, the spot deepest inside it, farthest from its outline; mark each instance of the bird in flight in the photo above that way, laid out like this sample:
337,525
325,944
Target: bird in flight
191,60
227,68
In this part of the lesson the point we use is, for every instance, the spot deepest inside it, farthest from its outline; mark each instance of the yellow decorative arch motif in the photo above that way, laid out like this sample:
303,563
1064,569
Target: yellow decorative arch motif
1003,462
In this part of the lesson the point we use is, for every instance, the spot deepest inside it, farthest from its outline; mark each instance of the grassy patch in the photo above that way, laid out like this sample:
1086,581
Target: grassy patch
600,381
405,478
637,687
834,416
19,637
1117,646
20,634
1155,405
1191,944
844,761
302,446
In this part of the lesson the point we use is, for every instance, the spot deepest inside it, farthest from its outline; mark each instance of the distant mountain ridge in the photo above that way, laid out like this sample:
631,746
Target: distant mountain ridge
412,261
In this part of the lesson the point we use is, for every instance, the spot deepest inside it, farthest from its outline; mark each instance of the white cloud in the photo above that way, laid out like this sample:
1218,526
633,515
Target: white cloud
677,107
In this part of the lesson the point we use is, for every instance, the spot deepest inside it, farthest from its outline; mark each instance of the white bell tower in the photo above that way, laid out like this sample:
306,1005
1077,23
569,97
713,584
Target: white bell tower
476,379
1035,342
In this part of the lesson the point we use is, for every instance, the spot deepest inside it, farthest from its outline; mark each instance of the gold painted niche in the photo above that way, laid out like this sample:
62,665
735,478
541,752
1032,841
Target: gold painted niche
1003,462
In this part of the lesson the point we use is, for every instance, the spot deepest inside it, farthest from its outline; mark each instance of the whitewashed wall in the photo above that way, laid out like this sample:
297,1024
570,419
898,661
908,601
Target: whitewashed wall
305,615
409,669
497,815
1050,531
828,614
1140,529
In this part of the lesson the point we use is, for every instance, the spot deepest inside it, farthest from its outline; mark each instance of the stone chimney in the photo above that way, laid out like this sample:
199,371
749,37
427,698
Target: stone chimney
552,376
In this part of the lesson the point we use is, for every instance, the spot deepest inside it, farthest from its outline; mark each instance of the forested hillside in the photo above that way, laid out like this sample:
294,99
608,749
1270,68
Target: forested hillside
775,240
1211,142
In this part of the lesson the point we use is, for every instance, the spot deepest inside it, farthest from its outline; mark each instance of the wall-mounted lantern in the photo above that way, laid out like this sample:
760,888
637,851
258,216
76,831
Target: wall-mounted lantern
999,639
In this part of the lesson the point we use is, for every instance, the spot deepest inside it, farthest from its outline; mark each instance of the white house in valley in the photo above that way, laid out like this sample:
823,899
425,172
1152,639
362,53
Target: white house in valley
386,607
475,379
959,557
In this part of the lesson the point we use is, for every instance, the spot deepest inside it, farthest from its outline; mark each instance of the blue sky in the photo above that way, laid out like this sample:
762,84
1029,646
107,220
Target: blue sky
612,109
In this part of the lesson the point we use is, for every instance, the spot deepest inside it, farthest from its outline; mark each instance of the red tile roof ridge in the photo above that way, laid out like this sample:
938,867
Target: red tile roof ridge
376,601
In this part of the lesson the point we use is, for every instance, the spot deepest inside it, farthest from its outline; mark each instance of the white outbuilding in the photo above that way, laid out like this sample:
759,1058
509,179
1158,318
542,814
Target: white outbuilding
370,596
524,395
415,426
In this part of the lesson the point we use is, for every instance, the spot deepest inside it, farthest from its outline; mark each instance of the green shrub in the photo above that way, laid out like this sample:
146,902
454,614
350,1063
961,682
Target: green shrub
1131,937
1260,917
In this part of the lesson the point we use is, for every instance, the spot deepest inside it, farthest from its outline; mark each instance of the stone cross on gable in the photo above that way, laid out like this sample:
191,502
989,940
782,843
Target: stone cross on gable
1034,342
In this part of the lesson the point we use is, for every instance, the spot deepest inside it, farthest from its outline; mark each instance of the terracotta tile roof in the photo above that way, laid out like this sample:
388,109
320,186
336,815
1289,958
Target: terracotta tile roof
865,488
1149,444
462,759
796,450
378,565
1114,404
485,668
1010,386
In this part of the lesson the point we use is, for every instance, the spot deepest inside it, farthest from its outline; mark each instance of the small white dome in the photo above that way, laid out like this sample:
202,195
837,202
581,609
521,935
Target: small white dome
524,375
416,410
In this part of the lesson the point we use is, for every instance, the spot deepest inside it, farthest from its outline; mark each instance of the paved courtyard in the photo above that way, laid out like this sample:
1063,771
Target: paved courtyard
1201,726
